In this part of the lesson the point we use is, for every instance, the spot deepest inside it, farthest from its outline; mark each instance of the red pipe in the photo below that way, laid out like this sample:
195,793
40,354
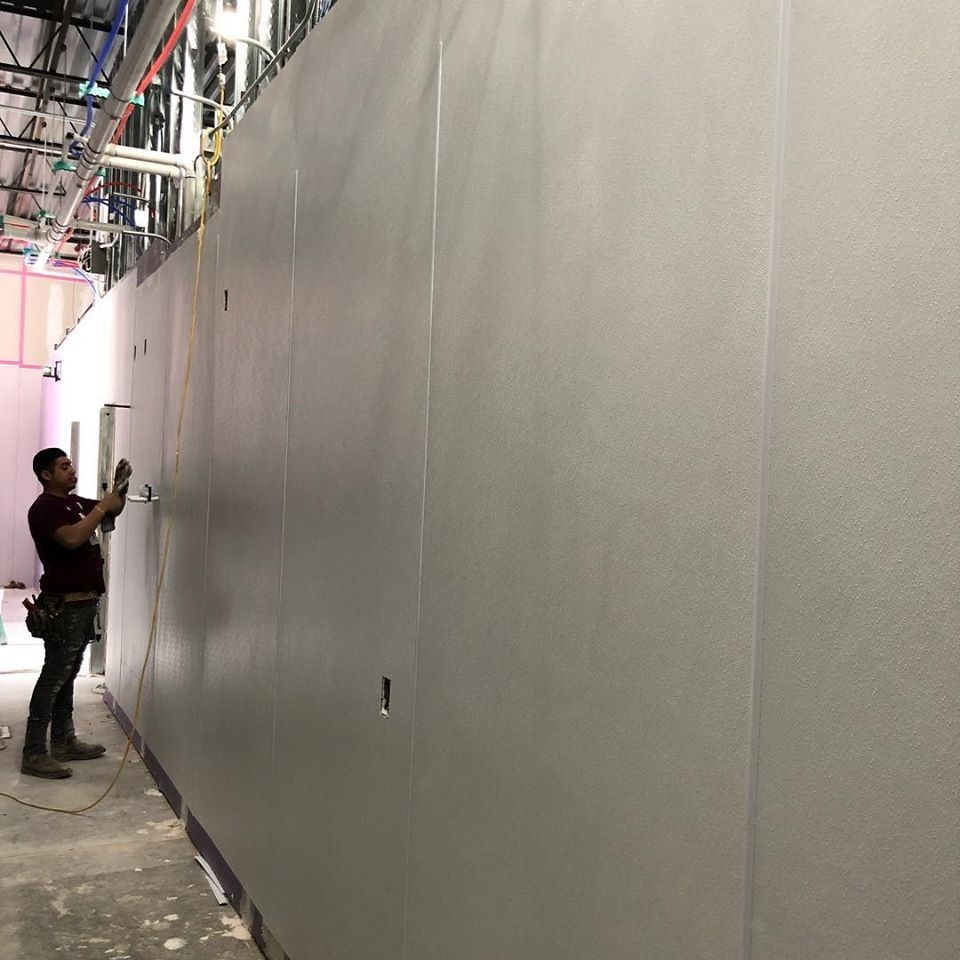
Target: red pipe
158,63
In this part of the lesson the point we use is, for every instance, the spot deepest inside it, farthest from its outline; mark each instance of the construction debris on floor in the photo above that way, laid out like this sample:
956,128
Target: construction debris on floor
118,883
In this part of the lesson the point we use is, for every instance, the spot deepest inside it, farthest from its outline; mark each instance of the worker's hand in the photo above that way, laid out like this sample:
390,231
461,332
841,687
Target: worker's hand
123,472
121,477
111,503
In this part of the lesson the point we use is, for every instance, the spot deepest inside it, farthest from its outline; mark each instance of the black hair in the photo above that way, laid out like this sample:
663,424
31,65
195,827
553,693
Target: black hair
45,460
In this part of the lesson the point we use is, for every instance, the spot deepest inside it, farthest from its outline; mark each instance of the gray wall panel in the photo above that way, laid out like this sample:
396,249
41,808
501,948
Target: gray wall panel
251,372
124,305
580,662
178,663
354,489
858,821
584,665
142,522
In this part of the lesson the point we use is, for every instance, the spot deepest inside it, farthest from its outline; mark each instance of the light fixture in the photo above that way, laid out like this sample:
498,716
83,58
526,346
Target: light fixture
229,26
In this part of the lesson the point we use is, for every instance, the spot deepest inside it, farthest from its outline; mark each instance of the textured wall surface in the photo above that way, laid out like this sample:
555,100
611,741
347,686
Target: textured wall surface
366,154
493,409
251,377
142,522
178,658
581,740
858,817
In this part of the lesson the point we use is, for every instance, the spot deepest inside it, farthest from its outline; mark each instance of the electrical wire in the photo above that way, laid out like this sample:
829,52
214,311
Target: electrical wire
80,273
316,6
118,207
161,575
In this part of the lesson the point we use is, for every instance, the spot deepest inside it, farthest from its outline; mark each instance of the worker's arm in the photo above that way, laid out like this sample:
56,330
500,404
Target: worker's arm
122,497
76,534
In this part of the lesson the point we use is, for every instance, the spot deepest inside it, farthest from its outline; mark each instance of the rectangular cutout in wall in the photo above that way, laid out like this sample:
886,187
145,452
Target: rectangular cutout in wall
75,445
385,697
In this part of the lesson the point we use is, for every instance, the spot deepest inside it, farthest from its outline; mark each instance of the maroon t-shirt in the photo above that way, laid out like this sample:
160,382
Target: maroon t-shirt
65,571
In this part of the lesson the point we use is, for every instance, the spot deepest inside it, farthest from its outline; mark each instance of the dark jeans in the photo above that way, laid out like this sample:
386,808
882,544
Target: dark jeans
52,702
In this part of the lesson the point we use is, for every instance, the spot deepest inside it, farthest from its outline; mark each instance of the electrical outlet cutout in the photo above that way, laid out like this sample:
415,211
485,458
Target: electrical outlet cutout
385,697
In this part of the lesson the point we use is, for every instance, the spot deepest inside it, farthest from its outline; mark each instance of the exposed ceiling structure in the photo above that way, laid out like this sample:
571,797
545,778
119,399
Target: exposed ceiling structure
72,183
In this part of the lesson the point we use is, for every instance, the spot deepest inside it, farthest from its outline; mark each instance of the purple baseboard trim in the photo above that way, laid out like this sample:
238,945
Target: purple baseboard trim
207,849
166,785
125,723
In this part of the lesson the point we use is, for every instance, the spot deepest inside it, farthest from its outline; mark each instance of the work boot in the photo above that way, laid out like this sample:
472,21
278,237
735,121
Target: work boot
45,766
75,749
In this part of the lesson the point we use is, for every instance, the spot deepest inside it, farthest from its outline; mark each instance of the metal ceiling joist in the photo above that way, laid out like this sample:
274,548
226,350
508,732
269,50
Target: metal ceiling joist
55,48
36,11
26,145
30,191
67,79
9,91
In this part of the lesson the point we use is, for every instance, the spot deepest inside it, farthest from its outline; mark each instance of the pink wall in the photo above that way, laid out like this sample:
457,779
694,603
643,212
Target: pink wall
35,308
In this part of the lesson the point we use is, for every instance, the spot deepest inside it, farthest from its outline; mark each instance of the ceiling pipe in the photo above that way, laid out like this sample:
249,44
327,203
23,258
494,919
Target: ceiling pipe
140,153
162,164
148,34
137,166
150,156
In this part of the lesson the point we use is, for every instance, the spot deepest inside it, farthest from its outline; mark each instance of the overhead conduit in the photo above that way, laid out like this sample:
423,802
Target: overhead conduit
149,33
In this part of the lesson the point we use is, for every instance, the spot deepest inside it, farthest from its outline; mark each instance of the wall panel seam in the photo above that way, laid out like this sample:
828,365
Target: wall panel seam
423,501
773,287
286,466
197,712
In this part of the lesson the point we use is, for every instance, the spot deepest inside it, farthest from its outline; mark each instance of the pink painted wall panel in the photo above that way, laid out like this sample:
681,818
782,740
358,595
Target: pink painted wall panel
9,317
19,441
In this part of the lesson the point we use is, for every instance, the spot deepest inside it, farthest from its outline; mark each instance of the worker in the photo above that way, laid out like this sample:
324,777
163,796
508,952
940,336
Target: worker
64,529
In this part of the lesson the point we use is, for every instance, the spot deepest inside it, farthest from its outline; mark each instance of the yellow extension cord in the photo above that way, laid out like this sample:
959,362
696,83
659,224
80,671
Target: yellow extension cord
210,163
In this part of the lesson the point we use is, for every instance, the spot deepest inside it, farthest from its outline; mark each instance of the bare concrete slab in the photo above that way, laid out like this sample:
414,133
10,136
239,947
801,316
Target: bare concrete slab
118,883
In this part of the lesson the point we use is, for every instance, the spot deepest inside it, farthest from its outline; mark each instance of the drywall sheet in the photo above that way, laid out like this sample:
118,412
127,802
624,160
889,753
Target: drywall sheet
24,483
19,441
11,284
367,145
584,665
115,317
143,522
10,427
174,715
858,822
250,368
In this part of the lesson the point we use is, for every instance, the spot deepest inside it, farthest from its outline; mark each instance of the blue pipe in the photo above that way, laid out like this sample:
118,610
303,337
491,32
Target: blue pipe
102,59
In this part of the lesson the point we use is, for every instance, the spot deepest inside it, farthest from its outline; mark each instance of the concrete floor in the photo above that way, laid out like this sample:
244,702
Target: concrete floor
118,883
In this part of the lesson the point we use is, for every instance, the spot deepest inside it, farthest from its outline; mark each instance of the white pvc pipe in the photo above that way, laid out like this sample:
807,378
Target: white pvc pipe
161,164
143,166
149,33
150,156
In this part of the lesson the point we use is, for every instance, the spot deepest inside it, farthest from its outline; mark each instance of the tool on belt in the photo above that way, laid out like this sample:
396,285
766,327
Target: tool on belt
45,617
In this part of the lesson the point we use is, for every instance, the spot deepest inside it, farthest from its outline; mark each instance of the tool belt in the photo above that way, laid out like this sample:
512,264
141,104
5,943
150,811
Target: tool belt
80,596
45,617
